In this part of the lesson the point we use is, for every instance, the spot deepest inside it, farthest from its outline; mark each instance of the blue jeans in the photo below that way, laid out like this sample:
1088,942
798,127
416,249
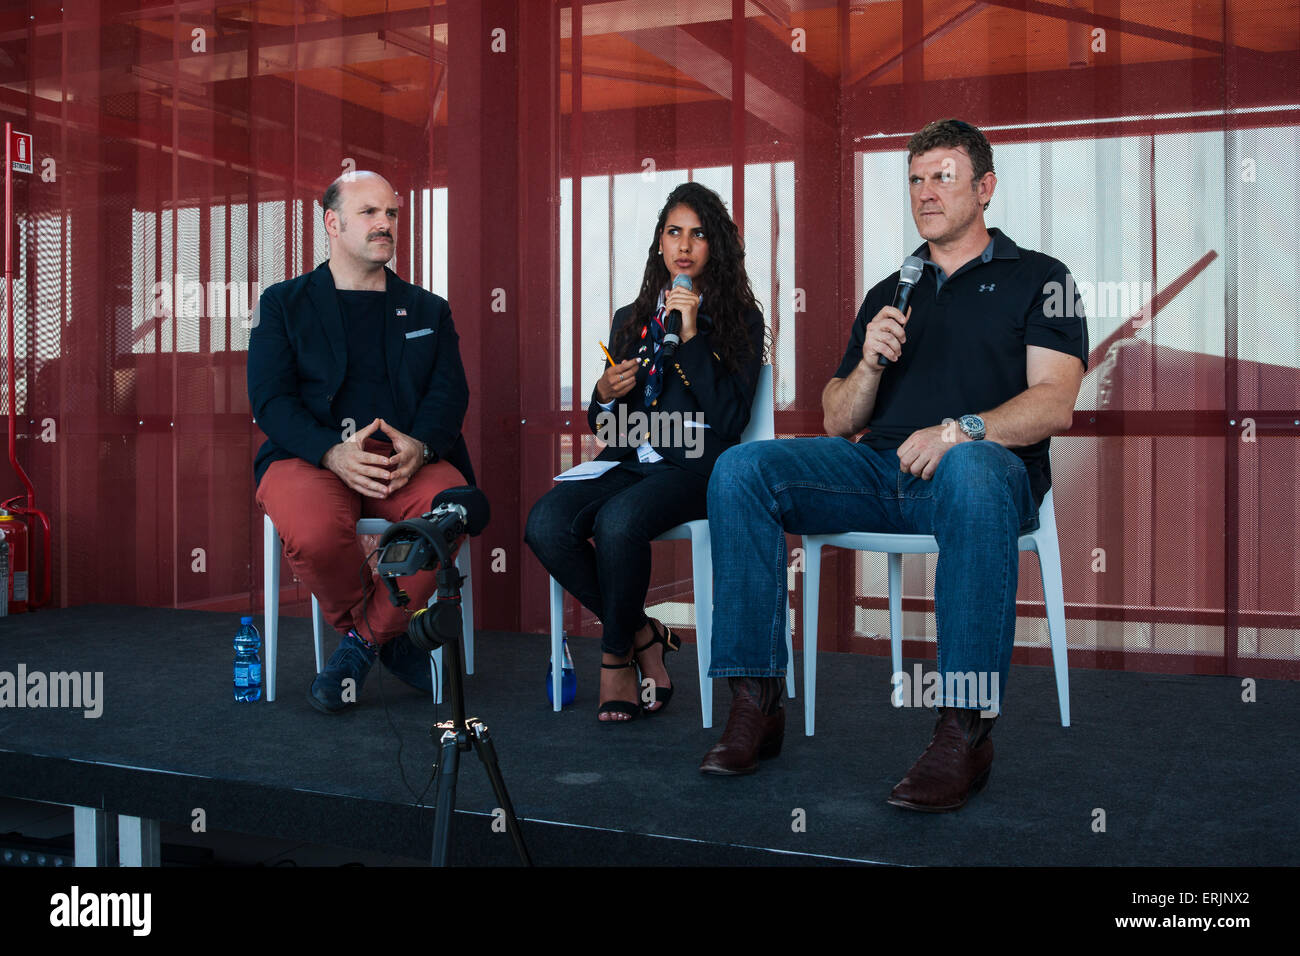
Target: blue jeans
976,505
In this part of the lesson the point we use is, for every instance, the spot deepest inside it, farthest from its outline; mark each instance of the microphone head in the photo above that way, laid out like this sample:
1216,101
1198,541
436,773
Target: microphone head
684,281
469,499
910,273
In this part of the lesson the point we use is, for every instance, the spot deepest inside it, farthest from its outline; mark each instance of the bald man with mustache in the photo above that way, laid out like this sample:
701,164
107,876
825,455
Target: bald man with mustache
355,377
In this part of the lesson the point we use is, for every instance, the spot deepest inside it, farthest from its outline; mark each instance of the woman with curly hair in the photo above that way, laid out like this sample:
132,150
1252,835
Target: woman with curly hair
665,419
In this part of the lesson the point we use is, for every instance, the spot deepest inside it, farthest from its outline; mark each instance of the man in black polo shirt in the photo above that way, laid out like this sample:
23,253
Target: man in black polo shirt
976,377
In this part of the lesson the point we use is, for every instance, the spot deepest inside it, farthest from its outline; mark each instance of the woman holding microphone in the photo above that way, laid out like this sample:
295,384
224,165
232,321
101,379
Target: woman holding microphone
709,383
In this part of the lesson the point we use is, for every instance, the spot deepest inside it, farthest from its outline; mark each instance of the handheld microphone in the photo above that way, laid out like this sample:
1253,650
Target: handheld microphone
673,322
908,276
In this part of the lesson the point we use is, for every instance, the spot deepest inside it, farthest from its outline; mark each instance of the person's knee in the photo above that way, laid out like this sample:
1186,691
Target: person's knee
311,538
427,484
546,526
618,529
976,469
739,469
537,527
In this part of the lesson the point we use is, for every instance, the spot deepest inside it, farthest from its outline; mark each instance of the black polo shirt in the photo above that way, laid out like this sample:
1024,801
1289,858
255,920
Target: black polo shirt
966,339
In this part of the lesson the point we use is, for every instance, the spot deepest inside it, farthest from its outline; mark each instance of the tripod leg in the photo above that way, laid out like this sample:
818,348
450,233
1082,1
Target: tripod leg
448,768
488,754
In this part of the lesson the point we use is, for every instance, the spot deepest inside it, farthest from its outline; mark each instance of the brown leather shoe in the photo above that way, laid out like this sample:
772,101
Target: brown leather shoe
954,766
750,736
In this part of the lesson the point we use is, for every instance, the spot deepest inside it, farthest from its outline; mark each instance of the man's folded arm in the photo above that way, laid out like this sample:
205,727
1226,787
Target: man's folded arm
274,389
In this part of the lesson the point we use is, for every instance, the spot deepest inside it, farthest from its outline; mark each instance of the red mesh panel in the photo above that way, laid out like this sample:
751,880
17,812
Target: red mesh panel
187,172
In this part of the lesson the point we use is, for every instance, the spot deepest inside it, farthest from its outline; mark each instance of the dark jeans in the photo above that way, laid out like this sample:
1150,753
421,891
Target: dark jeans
623,510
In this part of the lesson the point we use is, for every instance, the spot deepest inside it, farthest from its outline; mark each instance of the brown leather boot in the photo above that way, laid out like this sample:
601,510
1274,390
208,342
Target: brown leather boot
954,767
751,735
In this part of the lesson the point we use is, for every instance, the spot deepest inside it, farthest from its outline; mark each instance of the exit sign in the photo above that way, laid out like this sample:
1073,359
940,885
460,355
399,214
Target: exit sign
20,151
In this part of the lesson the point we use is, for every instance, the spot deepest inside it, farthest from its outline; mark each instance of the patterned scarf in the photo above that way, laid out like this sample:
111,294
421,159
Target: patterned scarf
650,354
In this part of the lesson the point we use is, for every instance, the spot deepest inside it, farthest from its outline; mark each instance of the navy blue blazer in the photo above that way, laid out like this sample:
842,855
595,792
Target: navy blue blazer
297,358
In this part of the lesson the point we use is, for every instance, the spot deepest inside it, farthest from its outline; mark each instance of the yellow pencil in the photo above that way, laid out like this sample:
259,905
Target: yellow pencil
606,351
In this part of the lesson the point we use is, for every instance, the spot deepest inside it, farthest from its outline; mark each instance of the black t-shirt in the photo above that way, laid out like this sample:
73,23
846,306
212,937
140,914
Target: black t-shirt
965,348
366,392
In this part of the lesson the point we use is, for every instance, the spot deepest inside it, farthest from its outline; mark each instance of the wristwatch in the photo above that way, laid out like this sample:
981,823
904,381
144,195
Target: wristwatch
428,455
972,426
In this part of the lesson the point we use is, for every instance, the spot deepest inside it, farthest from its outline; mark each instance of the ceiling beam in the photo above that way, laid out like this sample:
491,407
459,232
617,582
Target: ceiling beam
891,64
629,76
1069,99
325,44
711,66
1119,24
623,16
415,43
778,10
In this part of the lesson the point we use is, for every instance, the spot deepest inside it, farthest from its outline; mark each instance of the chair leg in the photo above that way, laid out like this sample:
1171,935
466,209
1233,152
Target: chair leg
789,651
270,599
90,836
463,563
702,571
318,633
439,678
557,646
1049,567
812,577
895,562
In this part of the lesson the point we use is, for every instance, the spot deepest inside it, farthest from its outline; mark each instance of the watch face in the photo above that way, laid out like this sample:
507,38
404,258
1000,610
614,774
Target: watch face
972,425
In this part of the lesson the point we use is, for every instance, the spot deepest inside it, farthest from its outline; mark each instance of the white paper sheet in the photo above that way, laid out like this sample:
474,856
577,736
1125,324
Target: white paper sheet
588,469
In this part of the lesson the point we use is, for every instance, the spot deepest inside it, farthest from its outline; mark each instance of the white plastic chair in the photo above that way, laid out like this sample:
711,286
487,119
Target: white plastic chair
271,550
1042,542
762,425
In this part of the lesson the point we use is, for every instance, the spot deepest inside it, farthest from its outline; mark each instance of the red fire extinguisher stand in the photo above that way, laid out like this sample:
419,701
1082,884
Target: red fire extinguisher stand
21,504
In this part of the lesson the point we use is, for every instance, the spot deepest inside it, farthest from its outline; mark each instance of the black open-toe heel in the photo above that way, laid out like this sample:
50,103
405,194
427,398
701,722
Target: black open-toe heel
663,634
633,711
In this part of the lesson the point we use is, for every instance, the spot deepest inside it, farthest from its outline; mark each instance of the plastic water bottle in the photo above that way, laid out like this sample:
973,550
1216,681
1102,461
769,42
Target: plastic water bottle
248,661
568,679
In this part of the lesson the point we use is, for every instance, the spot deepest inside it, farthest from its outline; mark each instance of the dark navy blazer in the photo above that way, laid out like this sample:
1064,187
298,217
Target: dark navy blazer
297,358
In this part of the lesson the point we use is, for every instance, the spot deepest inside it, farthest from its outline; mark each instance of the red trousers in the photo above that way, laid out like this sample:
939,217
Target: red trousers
316,516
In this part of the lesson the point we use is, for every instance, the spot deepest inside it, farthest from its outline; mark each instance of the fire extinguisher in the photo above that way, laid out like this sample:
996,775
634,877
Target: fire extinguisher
14,533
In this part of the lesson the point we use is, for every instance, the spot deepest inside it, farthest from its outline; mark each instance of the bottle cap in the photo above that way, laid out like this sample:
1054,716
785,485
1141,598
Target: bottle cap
245,620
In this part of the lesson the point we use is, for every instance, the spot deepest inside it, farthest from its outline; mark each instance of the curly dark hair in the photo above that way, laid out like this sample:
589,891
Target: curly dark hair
952,134
723,281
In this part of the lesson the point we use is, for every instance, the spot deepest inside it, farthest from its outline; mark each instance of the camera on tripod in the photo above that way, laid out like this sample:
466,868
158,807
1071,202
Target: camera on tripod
427,543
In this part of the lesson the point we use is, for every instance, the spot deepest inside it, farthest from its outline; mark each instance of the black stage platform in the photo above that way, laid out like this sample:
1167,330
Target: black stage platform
1186,773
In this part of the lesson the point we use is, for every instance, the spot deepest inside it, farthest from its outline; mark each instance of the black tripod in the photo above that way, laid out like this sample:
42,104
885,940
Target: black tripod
440,625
